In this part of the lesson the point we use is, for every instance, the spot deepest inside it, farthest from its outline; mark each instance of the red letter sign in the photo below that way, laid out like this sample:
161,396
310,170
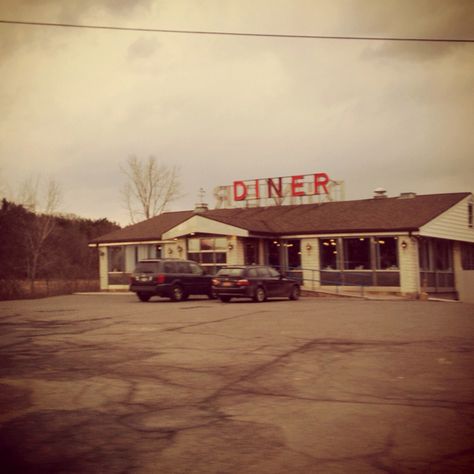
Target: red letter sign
271,186
243,191
296,184
321,179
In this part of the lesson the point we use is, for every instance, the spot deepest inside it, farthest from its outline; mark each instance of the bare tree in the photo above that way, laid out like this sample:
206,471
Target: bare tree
43,200
150,187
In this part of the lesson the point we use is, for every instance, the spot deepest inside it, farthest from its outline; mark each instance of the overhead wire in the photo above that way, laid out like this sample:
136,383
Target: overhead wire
242,34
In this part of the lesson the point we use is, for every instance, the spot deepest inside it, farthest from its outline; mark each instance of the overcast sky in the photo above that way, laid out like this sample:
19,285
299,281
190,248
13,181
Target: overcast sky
76,103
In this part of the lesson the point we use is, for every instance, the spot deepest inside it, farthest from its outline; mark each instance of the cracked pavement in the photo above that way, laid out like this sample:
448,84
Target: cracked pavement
106,384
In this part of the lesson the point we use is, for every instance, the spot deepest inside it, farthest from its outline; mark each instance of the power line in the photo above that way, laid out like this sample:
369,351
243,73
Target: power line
234,33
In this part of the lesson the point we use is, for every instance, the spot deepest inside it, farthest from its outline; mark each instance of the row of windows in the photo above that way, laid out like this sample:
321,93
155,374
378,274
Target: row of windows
363,253
360,253
211,253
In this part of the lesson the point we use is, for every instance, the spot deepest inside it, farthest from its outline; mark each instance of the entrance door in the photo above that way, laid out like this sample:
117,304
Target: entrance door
251,255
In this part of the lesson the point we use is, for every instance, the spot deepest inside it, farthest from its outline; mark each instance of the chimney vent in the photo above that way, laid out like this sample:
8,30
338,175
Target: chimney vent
380,193
408,195
200,207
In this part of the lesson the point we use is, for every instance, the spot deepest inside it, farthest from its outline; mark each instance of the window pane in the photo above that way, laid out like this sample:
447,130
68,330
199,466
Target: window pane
251,252
193,245
220,243
294,253
357,254
424,249
207,244
221,257
442,254
116,259
386,251
467,256
328,254
273,252
207,257
194,256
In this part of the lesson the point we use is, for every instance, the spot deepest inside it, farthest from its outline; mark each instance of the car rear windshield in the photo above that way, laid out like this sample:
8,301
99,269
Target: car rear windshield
146,267
232,272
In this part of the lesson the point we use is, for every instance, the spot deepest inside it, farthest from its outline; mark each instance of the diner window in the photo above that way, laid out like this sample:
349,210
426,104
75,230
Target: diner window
328,254
425,255
273,253
294,253
211,253
357,253
442,253
116,259
467,256
386,253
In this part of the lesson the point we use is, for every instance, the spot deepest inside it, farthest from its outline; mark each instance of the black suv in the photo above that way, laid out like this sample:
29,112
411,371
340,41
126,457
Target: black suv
172,278
257,282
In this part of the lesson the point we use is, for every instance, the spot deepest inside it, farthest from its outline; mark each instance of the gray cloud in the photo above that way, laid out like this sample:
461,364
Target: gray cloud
79,102
143,47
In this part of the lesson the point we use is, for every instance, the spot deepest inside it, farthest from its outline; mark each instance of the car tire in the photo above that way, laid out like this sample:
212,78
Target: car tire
224,299
259,295
211,295
177,293
143,297
295,293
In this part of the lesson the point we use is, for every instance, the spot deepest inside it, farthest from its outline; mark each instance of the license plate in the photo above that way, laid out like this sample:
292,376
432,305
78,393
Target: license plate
144,278
227,283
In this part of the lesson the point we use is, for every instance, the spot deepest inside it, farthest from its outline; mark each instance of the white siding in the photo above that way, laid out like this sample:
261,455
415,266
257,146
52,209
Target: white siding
233,254
239,252
198,223
452,224
409,267
130,258
103,268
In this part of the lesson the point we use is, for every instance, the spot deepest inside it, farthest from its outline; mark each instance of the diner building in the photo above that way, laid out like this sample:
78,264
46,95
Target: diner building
409,245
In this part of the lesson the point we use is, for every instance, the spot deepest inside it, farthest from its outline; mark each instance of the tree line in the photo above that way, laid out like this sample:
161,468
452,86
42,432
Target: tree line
38,249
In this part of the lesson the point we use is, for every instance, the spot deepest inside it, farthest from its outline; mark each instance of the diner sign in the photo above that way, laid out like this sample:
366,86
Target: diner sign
277,191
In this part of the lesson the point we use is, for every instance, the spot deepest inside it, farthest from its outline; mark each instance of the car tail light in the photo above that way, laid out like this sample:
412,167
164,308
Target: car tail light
160,278
243,283
216,282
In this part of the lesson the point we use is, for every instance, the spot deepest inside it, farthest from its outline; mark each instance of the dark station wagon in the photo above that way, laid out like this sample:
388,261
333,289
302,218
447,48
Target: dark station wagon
257,282
171,278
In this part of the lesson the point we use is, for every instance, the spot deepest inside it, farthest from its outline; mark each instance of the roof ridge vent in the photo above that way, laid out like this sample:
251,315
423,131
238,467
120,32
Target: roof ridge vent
407,195
380,193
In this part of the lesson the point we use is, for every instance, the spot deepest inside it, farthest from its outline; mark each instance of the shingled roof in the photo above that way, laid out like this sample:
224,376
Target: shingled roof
368,215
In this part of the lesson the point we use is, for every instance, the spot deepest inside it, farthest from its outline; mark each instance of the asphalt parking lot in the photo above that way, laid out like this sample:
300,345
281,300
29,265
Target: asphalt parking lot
105,384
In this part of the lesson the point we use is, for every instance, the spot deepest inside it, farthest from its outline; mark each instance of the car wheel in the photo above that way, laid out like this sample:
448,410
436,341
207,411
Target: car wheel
211,295
259,295
224,299
143,296
177,293
295,293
